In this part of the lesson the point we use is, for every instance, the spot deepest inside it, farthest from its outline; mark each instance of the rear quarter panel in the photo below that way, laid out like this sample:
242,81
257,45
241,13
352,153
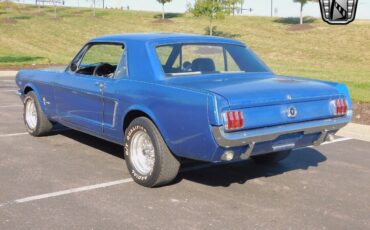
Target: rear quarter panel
181,115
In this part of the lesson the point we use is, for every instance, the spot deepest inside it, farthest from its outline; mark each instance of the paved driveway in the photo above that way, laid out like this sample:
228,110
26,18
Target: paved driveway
70,180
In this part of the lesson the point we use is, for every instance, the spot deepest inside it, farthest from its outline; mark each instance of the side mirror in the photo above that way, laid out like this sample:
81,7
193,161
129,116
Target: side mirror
73,67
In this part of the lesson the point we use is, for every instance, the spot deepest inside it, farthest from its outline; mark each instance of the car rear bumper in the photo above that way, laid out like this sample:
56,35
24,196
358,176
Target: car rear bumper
253,136
20,94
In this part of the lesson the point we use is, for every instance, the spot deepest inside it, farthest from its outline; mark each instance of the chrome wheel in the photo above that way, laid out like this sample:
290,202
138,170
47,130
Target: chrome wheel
31,113
142,153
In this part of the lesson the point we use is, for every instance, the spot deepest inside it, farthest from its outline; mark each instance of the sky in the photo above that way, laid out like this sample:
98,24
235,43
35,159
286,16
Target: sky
281,8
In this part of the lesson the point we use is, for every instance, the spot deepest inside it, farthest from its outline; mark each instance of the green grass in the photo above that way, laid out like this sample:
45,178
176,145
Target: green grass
336,53
13,59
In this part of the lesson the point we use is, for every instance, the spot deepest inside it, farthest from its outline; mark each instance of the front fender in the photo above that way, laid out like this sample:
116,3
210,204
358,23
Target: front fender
36,92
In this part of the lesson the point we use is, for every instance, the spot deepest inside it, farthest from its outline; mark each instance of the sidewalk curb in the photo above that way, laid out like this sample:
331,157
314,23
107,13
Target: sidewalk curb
10,73
356,131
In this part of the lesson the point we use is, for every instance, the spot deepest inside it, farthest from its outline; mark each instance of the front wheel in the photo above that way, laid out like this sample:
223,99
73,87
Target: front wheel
147,156
36,122
271,157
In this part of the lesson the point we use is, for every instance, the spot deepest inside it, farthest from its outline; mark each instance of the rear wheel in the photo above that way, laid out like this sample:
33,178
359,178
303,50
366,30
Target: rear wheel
271,157
36,122
147,156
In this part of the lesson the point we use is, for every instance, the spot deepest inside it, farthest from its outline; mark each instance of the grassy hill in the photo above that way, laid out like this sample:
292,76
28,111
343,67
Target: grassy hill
29,35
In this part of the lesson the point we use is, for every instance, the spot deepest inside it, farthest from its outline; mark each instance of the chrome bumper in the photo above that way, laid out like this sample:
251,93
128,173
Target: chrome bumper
250,137
18,92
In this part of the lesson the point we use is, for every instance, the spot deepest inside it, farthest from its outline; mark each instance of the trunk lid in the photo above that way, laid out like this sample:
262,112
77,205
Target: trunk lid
266,99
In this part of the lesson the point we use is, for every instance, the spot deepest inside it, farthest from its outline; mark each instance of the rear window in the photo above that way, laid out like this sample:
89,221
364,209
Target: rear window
188,59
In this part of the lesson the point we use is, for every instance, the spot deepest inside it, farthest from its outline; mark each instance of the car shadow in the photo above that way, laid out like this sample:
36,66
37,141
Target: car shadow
226,174
94,142
213,174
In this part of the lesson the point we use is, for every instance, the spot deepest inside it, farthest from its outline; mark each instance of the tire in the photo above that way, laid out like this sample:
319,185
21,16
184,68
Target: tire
271,157
37,124
144,143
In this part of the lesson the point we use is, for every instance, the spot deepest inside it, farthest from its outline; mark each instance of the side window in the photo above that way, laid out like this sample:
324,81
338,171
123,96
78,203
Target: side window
122,68
102,53
169,57
164,53
231,65
102,60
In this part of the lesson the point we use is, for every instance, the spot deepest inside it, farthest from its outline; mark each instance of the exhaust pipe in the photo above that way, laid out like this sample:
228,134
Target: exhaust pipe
330,137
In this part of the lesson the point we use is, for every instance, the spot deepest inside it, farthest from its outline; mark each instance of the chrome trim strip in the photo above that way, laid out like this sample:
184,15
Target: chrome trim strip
242,138
114,114
283,147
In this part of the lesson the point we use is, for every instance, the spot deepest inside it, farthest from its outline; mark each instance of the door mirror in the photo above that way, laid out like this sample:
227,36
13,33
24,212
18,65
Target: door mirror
73,67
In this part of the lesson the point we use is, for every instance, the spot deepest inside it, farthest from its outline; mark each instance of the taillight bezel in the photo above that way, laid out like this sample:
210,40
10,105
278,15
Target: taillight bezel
233,120
339,106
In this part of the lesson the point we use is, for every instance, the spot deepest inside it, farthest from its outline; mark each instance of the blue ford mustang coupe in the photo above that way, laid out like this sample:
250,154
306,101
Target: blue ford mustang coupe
166,97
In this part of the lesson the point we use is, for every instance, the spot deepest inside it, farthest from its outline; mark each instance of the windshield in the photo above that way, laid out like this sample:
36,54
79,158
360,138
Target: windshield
188,59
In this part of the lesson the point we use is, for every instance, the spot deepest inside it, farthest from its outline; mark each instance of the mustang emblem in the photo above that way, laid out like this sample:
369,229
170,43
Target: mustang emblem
292,112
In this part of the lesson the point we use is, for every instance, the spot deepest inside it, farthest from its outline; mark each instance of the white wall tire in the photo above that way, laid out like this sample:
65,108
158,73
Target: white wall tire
142,152
30,113
34,118
147,156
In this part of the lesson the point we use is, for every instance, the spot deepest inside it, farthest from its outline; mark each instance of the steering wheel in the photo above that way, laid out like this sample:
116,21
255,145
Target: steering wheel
106,67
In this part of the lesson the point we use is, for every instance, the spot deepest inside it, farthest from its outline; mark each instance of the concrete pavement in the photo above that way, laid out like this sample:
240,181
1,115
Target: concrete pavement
70,180
9,73
356,131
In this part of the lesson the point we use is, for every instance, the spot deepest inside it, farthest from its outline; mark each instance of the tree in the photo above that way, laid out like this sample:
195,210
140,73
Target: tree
213,9
7,7
241,3
232,5
94,6
302,2
163,2
94,2
55,4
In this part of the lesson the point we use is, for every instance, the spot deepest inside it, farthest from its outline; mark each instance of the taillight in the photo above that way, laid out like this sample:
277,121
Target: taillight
340,107
233,120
